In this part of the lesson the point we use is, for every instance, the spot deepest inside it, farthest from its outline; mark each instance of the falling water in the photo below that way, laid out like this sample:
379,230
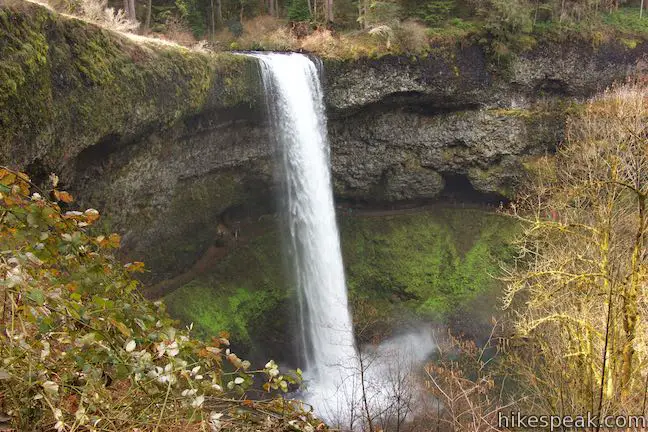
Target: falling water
332,362
296,106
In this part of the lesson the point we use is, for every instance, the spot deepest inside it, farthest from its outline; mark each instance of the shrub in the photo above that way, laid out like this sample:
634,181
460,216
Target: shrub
464,385
436,12
412,37
98,12
383,32
382,12
322,42
266,33
177,30
81,349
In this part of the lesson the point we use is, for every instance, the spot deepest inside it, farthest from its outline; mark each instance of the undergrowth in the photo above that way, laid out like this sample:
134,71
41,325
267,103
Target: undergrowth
82,350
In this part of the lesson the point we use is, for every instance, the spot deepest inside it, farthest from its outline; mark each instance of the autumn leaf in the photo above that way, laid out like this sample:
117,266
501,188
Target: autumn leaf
114,240
91,215
7,178
63,196
135,267
24,177
123,329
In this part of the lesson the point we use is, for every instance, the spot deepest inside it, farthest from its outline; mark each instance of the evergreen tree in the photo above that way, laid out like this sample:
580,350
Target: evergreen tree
298,11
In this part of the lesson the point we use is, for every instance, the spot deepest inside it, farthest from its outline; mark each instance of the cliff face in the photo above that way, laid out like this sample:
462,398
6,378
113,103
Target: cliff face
405,129
169,142
66,86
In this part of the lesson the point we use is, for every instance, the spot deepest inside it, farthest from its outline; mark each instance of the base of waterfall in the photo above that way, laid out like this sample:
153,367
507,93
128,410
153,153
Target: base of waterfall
382,383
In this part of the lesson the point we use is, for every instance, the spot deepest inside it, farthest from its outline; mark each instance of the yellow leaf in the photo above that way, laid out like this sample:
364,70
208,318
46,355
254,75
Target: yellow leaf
114,240
63,196
24,177
134,267
121,327
7,178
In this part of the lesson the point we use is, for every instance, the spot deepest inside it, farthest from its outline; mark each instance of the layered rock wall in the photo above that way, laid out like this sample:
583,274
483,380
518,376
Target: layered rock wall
168,143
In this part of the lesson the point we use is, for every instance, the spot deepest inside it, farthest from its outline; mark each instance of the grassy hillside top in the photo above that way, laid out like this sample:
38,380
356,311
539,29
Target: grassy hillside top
375,29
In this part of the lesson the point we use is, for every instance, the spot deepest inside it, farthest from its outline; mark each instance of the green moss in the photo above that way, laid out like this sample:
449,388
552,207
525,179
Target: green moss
630,43
245,294
483,180
424,265
23,62
428,262
513,112
65,84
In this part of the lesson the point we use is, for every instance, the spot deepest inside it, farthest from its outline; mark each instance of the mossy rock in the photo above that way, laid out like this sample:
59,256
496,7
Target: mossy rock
245,294
429,263
66,84
414,266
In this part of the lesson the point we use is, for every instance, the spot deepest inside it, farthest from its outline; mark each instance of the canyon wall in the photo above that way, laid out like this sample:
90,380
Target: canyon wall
173,146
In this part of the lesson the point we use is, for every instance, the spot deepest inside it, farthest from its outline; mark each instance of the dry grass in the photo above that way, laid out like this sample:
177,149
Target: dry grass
412,37
266,33
350,46
179,32
180,37
98,12
223,40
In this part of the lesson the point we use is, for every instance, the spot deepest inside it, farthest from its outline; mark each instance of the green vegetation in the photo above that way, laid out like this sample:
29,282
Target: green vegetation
420,265
245,294
428,263
86,83
351,29
627,21
81,349
298,11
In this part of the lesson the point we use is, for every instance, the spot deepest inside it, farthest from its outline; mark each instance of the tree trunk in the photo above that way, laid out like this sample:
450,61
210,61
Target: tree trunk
130,9
329,11
149,12
362,14
212,25
219,14
630,299
641,9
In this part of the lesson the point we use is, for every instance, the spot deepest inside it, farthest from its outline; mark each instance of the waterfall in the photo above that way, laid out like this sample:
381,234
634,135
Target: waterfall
296,108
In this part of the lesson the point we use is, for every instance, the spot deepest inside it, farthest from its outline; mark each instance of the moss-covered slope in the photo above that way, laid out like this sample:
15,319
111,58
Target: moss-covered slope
429,263
423,265
66,85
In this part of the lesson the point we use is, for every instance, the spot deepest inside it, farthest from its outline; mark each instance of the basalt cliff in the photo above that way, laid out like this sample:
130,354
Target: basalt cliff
174,148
